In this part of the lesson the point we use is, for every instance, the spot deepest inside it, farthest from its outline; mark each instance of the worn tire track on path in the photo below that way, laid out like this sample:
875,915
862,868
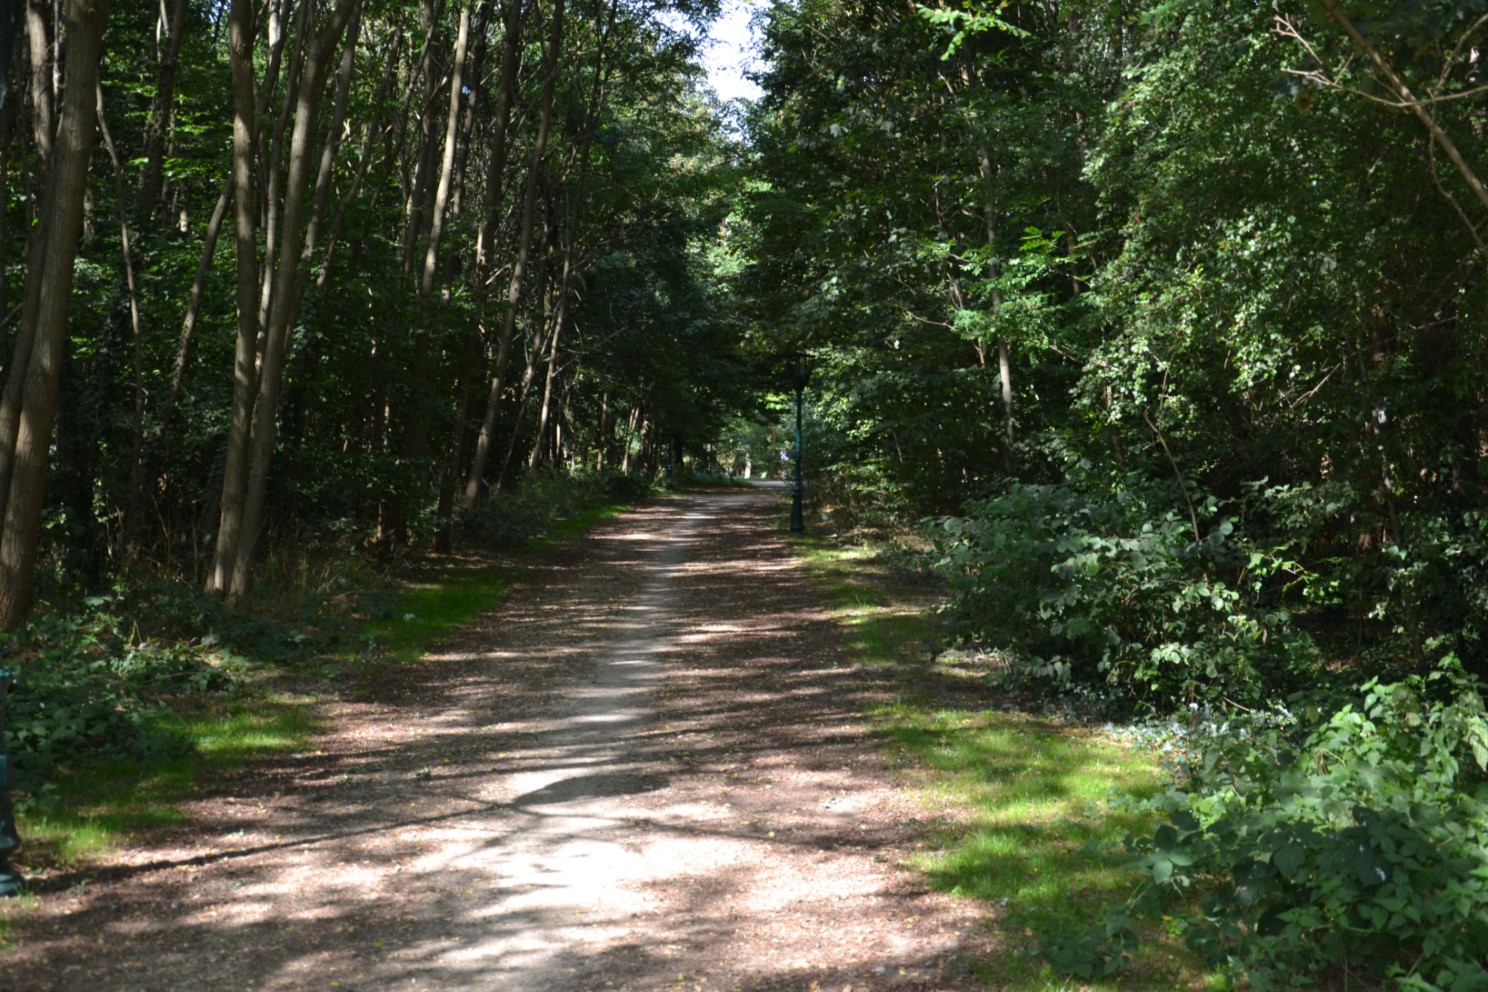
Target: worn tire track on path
646,770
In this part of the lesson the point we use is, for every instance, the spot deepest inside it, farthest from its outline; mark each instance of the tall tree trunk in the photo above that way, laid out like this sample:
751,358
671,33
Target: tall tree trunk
1004,354
161,421
575,206
519,268
245,362
24,451
414,439
43,127
513,16
333,134
253,442
131,290
152,177
545,410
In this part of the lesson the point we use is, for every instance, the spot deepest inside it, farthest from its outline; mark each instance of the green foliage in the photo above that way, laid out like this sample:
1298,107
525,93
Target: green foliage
517,518
965,23
89,686
1112,590
1349,840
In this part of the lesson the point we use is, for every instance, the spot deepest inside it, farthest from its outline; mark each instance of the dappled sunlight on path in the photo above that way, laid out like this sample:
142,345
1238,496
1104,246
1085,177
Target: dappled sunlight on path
646,770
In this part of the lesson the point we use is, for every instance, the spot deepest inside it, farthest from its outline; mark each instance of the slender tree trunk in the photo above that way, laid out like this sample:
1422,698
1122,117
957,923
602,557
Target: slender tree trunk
43,94
152,177
155,436
1004,354
414,441
545,410
333,134
126,249
245,362
374,129
271,203
43,135
511,59
26,451
519,268
537,342
259,376
604,431
576,203
288,289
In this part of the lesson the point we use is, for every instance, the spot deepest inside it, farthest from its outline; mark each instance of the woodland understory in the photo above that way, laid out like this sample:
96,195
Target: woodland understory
1159,326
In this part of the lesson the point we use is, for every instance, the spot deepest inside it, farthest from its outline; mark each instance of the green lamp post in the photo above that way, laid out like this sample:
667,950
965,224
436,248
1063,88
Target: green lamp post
11,882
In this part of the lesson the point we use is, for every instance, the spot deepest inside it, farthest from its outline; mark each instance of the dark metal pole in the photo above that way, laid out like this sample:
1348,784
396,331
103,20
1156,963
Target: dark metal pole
797,524
11,883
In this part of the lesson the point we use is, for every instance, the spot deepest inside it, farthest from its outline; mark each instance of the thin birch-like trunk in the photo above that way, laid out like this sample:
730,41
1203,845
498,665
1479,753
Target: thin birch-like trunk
259,371
511,58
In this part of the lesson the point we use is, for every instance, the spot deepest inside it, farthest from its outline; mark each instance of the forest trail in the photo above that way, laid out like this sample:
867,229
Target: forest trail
646,770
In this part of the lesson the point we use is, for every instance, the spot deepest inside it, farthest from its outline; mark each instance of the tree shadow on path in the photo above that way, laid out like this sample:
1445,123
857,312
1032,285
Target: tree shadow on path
645,770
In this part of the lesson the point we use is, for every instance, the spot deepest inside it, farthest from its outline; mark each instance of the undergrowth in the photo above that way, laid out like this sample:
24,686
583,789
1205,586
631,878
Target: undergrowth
1022,801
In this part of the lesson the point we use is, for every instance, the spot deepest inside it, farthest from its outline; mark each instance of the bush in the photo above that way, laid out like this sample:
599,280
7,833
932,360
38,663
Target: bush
86,685
1078,590
1363,852
515,518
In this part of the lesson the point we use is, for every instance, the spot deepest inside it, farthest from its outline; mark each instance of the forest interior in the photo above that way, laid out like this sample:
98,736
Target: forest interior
1139,344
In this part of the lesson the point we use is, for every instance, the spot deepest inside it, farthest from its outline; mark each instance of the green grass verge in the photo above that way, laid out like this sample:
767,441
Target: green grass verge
427,611
1018,801
569,528
89,811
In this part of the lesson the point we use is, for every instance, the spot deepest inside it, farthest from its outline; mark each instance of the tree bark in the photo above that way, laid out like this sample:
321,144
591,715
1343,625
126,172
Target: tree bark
519,267
513,17
126,250
245,362
152,177
188,326
259,377
43,135
1004,353
26,451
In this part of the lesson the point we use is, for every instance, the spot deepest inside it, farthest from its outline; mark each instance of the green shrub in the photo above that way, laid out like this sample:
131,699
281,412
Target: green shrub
86,684
624,488
1360,852
1081,590
514,519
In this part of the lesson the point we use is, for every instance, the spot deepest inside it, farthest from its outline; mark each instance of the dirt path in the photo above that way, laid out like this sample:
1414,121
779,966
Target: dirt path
645,771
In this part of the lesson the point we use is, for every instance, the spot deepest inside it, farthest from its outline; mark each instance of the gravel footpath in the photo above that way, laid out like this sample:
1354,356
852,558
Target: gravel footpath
646,770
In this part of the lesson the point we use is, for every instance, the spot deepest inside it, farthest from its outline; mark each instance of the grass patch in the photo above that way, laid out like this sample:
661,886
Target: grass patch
427,611
88,811
573,526
1019,801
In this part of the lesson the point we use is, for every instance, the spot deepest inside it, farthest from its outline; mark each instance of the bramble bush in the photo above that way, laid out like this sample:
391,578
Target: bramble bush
1082,589
88,684
1351,845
